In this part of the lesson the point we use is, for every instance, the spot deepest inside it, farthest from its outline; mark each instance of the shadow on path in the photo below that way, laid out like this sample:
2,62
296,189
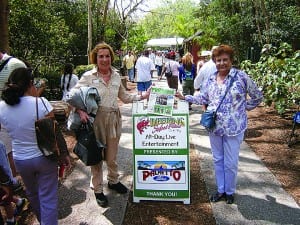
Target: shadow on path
268,209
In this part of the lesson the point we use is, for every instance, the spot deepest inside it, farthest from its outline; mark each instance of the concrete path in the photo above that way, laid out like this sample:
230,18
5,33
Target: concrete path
260,198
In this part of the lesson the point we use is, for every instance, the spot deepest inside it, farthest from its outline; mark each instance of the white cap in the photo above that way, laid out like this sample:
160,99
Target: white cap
205,53
214,47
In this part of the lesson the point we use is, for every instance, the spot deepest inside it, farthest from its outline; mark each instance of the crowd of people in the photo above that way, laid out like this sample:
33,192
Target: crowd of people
207,82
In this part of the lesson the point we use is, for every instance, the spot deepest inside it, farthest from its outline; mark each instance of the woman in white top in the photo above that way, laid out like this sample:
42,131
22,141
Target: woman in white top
18,116
68,80
172,66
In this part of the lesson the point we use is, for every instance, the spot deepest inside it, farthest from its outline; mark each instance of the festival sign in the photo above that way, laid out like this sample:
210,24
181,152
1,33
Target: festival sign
161,156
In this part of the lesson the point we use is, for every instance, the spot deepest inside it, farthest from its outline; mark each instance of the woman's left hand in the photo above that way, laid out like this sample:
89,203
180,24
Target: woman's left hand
84,117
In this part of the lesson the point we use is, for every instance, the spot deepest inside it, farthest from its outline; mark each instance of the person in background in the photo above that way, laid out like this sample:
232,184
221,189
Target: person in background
68,80
7,196
171,65
159,62
177,56
128,62
231,119
206,70
108,121
151,55
200,63
187,74
202,60
39,83
11,64
38,173
144,68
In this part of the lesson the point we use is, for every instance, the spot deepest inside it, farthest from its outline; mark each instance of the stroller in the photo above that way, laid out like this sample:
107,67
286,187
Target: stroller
296,122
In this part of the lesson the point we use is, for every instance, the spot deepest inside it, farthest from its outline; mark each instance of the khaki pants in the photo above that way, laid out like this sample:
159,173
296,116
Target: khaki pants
112,167
107,127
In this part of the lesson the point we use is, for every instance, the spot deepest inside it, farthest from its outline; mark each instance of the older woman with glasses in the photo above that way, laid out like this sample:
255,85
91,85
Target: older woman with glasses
242,94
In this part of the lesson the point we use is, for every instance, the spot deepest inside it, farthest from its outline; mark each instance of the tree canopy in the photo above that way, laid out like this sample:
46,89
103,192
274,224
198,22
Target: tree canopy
49,33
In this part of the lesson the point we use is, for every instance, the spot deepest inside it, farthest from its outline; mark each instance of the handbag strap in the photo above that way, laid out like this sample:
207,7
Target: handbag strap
4,63
231,82
37,108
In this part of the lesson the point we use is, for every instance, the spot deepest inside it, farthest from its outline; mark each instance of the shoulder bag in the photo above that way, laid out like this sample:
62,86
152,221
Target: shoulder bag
208,118
4,63
169,74
49,137
88,149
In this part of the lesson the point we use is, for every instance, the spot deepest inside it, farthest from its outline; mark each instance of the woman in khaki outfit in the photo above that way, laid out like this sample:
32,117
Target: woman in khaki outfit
108,120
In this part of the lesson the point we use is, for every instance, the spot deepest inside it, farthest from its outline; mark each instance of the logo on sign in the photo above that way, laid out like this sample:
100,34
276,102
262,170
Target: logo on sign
161,172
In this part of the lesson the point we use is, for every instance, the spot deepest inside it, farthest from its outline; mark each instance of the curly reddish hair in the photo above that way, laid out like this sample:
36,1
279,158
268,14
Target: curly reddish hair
223,49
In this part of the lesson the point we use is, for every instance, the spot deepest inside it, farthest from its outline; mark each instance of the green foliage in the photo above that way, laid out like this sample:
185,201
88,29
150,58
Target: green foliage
278,74
247,25
35,29
137,38
48,34
80,69
172,19
53,91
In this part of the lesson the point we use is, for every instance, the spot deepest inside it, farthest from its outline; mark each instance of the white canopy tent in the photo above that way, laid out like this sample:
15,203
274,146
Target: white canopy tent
164,42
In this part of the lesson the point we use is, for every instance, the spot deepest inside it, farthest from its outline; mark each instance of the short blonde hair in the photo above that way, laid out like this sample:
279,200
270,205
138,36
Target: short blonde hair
101,45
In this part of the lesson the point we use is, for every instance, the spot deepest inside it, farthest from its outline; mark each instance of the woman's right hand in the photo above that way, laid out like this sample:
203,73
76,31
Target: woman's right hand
84,117
189,98
179,95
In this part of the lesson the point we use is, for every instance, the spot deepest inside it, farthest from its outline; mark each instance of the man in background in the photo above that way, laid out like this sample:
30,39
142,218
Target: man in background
128,62
208,68
144,67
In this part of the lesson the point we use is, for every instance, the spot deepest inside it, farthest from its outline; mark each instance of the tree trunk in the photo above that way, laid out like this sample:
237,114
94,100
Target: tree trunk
257,20
104,22
89,29
267,21
4,25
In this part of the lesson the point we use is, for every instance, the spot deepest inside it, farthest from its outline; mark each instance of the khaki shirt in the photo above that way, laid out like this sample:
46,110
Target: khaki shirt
108,120
109,93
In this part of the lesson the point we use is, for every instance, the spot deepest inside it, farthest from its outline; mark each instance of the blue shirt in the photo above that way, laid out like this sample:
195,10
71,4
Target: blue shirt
183,73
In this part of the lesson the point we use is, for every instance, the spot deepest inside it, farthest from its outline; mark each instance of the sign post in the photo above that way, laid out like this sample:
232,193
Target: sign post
161,153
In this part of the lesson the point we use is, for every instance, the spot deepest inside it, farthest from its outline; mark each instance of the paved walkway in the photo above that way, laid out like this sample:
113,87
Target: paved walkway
260,198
